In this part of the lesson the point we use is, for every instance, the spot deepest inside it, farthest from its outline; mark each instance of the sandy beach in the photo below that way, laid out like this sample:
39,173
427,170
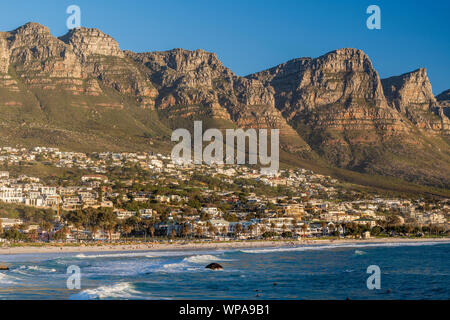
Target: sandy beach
197,245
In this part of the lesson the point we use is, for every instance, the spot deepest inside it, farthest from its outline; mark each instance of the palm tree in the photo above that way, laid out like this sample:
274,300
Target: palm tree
151,230
127,229
294,223
263,229
212,230
237,230
251,228
185,230
77,218
47,226
304,228
224,231
94,229
199,231
110,226
272,226
173,233
64,232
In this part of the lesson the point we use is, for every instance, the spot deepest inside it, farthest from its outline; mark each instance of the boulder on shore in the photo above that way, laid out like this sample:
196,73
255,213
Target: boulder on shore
214,266
3,267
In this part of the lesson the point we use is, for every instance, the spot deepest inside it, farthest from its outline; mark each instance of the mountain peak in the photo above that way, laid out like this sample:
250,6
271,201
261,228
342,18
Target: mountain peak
411,86
32,27
348,51
180,60
444,100
91,41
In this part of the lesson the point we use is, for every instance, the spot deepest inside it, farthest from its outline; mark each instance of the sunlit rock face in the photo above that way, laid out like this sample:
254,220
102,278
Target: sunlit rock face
82,90
412,95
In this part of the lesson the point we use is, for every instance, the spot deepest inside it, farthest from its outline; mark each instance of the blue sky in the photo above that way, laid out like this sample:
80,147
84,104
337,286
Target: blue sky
250,35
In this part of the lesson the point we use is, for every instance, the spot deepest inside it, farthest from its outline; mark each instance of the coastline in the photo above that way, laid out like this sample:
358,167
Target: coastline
200,245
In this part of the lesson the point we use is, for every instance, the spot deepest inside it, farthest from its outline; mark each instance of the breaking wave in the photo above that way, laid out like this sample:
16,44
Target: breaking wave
123,290
342,245
5,279
37,268
203,259
28,270
112,255
192,263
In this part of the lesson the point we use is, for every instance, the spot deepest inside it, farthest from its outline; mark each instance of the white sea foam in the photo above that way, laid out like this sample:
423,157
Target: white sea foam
37,268
6,279
342,245
359,252
191,263
145,254
200,259
174,267
122,290
25,270
112,255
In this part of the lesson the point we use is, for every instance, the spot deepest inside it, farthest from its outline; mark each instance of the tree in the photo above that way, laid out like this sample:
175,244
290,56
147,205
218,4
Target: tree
224,231
211,229
304,228
13,234
185,230
77,218
237,229
251,228
173,233
47,226
127,230
151,230
60,235
272,226
294,223
199,231
107,221
33,235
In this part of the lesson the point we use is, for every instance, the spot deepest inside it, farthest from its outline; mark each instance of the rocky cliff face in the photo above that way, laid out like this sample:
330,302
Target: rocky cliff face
79,63
4,53
195,83
337,104
444,101
444,98
102,59
81,90
7,83
342,77
411,94
86,42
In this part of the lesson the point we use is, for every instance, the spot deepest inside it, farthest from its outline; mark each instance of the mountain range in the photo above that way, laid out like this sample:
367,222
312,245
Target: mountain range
335,115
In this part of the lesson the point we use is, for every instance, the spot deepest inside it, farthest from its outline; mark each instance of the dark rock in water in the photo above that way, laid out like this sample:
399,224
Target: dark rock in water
214,266
3,267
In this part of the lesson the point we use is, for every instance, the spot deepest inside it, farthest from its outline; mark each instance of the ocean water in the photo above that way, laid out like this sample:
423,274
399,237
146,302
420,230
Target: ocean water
339,271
